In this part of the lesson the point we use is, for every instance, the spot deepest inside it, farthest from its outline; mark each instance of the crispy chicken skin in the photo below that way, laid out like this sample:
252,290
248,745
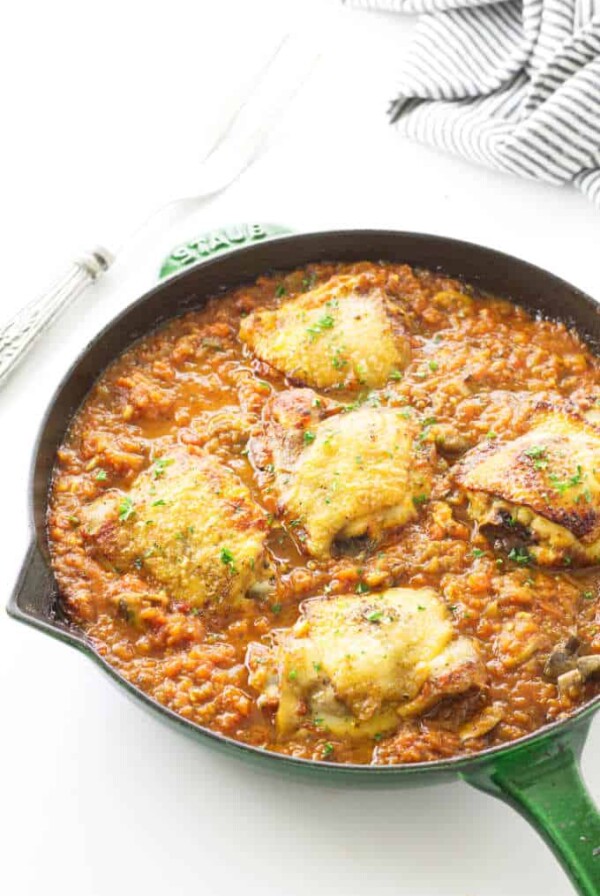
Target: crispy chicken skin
189,523
342,474
542,488
343,332
355,665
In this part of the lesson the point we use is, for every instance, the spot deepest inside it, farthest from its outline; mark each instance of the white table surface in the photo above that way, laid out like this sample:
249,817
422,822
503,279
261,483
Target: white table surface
108,104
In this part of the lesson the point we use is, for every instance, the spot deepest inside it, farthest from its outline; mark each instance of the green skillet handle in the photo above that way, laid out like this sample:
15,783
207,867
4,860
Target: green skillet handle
215,242
543,782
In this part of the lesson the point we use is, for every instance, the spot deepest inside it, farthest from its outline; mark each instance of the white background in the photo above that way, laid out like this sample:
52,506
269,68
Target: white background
108,106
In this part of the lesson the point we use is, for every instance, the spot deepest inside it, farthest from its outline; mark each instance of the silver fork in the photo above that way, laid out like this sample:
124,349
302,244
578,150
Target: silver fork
239,144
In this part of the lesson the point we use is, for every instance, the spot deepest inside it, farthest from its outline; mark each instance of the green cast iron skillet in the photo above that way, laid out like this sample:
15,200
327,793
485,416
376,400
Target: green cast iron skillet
539,774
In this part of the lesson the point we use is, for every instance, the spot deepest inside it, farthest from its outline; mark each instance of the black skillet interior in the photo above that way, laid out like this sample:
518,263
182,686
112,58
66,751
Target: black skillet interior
485,268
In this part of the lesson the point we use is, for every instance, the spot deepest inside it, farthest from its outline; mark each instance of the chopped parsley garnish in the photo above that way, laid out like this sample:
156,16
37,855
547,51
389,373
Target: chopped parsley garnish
492,435
161,465
395,375
159,503
338,362
375,616
561,485
328,749
228,559
536,451
419,500
126,509
308,437
538,455
317,668
588,595
426,425
362,588
101,475
360,373
292,675
520,556
280,291
477,552
433,365
276,608
419,607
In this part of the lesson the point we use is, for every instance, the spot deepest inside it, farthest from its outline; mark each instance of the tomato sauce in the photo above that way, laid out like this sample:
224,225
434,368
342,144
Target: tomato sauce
476,362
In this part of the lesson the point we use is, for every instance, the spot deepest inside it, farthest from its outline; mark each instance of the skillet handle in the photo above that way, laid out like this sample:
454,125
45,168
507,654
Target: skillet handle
543,782
33,600
216,242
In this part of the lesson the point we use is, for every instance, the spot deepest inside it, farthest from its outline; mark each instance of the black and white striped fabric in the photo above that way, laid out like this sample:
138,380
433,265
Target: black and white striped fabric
514,84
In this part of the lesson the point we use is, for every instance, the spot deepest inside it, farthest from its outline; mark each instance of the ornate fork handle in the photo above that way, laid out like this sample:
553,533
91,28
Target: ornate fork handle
18,334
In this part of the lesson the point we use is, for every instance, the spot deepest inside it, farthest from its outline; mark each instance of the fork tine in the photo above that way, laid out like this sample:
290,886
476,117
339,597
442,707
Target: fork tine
280,81
253,84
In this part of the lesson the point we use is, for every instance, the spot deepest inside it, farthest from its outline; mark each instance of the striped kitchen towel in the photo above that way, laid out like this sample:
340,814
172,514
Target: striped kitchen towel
514,84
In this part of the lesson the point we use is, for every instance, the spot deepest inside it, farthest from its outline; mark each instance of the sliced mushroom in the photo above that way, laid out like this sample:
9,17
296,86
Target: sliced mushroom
449,438
569,670
588,665
563,658
262,589
569,684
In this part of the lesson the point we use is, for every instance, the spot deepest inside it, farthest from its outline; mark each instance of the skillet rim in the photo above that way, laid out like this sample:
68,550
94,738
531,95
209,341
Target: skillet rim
70,634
